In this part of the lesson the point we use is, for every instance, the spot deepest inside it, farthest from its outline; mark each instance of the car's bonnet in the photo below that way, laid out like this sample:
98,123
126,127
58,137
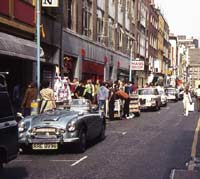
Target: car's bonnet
54,118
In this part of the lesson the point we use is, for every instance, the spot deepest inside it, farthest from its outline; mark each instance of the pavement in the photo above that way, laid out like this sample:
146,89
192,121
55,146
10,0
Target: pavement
185,174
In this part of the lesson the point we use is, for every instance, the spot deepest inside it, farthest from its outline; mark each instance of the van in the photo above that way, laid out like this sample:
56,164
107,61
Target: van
8,125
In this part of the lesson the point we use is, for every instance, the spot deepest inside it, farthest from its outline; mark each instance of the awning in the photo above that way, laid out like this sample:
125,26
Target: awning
14,46
92,68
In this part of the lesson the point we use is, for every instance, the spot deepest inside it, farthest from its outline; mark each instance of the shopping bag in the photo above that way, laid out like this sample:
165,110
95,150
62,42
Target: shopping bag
191,107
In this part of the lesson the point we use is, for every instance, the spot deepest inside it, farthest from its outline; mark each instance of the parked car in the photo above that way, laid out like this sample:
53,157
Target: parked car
8,126
53,129
172,94
149,98
163,97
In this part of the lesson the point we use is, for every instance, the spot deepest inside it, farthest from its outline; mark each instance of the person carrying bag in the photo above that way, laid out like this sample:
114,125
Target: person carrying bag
187,101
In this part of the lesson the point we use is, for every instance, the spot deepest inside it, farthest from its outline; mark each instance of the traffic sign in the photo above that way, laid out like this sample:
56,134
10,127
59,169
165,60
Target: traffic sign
50,3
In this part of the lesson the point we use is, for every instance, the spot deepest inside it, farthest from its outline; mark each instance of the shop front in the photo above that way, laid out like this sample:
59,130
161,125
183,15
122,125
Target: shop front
92,70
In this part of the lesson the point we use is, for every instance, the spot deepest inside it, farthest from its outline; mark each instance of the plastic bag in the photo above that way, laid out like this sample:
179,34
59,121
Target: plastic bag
191,107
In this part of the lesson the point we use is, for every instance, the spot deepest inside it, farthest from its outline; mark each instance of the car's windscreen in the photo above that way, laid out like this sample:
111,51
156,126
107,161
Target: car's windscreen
146,91
79,102
171,91
161,92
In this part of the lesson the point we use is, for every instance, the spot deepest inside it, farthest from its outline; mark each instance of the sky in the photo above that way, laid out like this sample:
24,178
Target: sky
182,16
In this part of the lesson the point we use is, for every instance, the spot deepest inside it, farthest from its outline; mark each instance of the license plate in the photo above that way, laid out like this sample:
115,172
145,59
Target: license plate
44,146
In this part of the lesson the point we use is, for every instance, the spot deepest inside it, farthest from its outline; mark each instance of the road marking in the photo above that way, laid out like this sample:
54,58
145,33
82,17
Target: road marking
119,132
124,133
62,160
80,160
194,145
172,174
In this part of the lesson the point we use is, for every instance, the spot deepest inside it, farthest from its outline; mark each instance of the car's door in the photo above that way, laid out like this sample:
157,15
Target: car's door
8,127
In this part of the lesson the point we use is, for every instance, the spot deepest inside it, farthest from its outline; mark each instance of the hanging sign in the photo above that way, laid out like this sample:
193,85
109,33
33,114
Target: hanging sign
49,3
137,65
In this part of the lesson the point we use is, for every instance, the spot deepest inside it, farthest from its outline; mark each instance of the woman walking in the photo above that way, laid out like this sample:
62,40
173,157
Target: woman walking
187,100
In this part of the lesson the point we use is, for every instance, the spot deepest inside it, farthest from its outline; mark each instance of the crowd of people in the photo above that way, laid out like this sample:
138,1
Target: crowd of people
63,90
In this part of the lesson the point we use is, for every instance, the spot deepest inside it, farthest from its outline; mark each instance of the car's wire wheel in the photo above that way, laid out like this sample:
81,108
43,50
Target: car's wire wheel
82,143
102,135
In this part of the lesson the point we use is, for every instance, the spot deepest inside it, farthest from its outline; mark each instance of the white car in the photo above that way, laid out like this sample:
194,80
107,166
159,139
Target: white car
149,98
172,94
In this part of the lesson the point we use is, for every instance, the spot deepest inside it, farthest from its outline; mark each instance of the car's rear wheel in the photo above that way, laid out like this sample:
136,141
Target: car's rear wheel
81,146
1,166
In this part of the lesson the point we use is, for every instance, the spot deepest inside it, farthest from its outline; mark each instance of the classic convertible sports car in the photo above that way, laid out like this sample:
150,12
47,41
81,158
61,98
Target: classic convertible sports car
53,129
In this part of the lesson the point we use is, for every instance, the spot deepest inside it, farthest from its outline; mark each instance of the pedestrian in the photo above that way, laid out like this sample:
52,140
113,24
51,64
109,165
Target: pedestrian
187,100
96,89
198,98
102,96
47,96
111,101
78,93
124,96
17,97
89,90
29,97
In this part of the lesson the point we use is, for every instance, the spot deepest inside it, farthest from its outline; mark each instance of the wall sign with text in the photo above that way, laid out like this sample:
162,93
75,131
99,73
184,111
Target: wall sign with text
50,3
137,65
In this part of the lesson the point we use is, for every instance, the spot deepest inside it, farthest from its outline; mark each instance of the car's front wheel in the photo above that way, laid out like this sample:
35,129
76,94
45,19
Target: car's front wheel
102,135
81,146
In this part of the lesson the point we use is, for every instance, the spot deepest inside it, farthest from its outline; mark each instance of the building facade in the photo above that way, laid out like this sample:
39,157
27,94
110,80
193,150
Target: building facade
17,46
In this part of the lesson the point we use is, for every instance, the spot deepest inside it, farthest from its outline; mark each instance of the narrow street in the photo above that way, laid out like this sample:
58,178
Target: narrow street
150,146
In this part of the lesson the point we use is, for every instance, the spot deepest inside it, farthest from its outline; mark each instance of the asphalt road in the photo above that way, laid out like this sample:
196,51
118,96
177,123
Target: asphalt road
148,147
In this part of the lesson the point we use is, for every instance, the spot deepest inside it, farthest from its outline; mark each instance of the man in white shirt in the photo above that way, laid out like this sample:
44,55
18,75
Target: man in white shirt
198,98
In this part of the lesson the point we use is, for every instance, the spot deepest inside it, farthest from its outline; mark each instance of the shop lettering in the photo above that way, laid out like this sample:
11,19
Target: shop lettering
138,65
50,3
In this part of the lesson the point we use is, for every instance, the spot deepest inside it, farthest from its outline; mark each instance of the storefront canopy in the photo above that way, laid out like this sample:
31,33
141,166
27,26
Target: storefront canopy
14,46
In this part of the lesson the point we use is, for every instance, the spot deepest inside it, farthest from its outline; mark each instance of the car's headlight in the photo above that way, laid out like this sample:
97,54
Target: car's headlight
23,126
71,127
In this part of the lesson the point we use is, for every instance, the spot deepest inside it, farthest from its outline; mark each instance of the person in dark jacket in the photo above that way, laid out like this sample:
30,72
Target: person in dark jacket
111,101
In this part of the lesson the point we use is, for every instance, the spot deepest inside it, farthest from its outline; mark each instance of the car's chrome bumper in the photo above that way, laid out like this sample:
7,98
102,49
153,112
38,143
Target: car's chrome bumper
48,140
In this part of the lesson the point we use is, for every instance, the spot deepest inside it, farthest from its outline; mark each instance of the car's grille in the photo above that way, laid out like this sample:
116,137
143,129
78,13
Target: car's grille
142,101
45,132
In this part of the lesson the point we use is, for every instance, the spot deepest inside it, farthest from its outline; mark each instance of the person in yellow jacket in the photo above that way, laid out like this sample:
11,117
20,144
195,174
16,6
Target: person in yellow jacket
47,96
30,95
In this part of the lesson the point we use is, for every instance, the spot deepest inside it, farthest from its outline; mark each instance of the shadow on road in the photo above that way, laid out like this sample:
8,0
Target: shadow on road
13,173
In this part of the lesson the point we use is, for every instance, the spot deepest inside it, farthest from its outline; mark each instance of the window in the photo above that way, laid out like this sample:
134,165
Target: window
100,27
69,14
86,17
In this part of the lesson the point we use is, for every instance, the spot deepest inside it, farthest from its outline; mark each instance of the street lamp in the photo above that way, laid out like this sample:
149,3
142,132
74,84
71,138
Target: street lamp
38,47
131,60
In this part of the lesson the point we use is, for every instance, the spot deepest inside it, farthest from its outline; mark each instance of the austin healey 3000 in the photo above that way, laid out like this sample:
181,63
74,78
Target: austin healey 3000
53,129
